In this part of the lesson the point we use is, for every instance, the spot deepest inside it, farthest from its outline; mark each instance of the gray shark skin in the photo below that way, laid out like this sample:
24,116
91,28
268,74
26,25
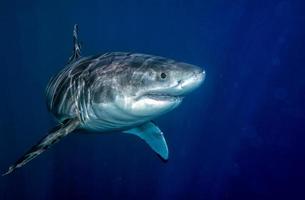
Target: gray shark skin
114,92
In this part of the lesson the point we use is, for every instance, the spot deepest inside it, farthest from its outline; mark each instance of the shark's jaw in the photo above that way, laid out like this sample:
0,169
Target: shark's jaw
152,105
163,97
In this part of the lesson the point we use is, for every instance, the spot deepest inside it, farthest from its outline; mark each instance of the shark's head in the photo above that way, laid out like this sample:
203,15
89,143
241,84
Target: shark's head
157,85
130,89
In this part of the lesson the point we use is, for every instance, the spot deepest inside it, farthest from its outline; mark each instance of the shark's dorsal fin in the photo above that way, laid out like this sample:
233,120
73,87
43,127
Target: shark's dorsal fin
76,46
153,136
53,137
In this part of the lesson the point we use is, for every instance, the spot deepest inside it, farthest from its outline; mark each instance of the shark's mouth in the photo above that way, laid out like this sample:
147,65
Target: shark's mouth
163,97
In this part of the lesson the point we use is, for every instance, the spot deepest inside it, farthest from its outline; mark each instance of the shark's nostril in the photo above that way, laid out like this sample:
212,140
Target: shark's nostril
200,70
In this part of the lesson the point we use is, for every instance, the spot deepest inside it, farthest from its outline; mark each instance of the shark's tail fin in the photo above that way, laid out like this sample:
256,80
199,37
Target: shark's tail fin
53,137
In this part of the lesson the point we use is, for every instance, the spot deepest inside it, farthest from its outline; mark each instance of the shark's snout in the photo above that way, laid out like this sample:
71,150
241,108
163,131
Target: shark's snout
193,76
194,80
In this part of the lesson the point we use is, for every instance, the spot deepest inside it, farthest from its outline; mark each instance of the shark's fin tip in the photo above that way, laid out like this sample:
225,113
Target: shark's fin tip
153,136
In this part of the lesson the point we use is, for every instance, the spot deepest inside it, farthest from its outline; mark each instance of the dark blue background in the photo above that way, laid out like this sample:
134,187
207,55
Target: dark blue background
240,136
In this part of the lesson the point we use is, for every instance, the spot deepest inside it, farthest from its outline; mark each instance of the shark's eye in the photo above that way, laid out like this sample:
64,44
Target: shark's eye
163,75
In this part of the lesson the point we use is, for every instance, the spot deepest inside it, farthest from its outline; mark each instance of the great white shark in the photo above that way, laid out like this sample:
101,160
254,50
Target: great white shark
114,92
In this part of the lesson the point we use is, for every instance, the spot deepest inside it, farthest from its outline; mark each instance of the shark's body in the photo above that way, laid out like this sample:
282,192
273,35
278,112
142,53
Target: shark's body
100,89
115,92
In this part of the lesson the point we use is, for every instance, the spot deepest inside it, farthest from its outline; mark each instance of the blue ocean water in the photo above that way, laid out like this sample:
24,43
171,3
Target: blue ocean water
240,136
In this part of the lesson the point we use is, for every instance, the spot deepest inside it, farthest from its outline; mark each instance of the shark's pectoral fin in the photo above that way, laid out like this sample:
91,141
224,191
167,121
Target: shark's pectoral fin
153,136
53,137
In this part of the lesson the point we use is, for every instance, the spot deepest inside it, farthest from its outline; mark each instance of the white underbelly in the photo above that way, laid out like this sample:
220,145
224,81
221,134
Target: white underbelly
109,117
